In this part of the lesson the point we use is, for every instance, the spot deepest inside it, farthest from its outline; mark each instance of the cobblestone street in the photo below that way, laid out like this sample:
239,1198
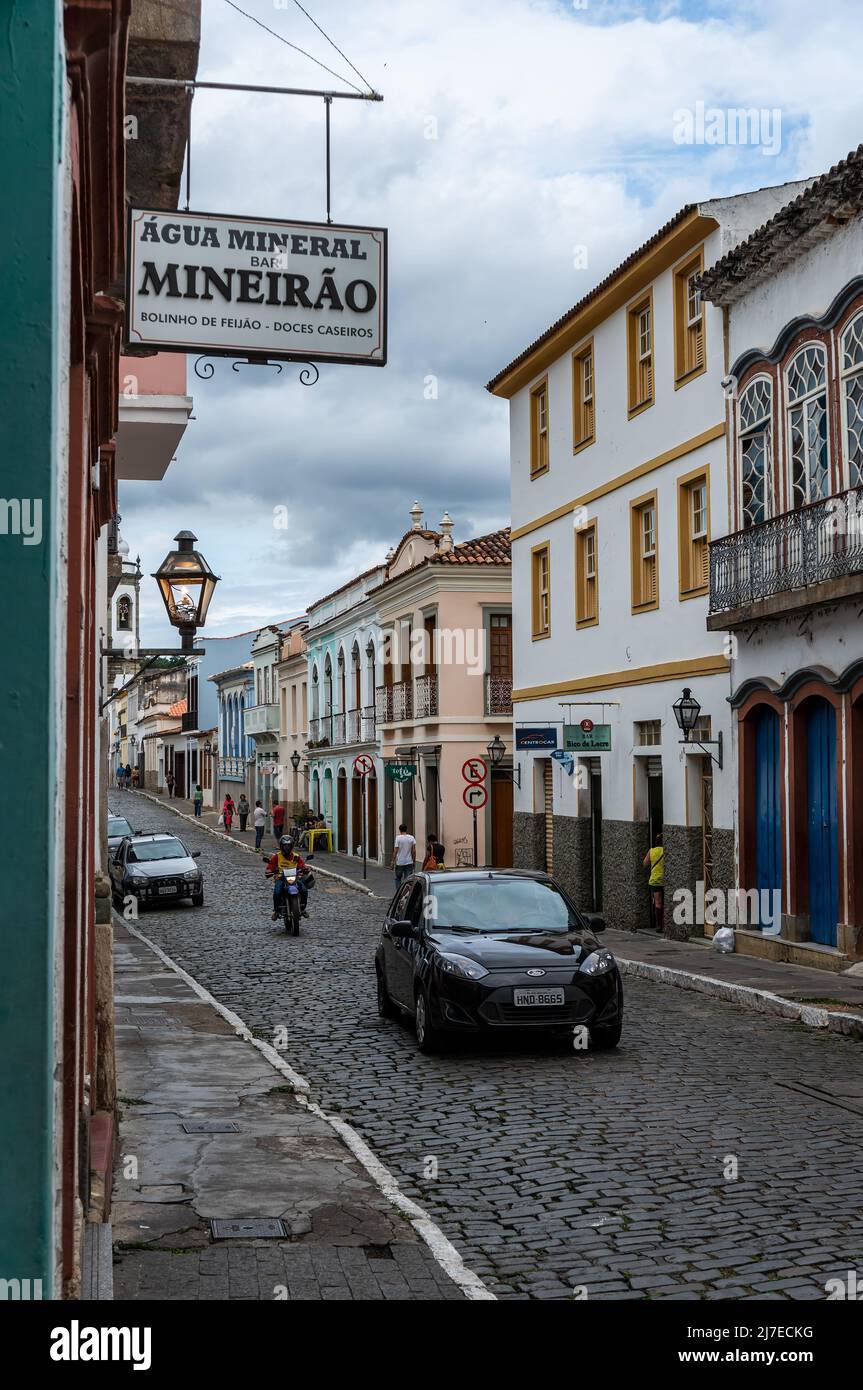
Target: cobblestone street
555,1170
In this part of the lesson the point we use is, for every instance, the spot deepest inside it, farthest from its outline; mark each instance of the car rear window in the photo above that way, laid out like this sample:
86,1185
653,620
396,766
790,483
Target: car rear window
118,826
157,849
500,904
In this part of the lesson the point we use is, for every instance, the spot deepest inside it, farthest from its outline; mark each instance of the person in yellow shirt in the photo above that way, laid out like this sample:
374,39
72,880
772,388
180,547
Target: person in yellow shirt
654,860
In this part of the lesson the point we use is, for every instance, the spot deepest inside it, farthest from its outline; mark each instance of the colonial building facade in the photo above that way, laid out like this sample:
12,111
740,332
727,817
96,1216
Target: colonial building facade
786,580
617,469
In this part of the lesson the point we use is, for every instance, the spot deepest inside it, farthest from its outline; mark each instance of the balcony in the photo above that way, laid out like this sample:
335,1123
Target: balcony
425,696
262,719
384,704
789,563
403,699
233,768
189,721
361,725
321,730
498,694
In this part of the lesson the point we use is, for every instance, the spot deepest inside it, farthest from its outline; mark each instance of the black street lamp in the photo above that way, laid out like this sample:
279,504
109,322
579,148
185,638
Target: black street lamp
686,712
295,764
496,750
187,584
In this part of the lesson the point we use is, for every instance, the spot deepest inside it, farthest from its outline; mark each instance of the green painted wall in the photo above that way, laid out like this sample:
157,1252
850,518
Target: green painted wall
31,84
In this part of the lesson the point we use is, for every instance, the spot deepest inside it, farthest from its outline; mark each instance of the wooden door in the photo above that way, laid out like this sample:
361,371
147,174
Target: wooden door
342,814
501,821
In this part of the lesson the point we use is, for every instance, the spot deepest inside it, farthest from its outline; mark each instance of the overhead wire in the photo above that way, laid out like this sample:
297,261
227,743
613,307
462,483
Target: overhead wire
297,48
330,41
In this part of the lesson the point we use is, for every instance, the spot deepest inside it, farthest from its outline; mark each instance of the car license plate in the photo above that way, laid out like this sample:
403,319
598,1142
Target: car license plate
533,998
167,888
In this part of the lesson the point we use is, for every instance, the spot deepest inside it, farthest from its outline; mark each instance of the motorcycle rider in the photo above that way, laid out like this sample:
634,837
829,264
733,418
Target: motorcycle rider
285,858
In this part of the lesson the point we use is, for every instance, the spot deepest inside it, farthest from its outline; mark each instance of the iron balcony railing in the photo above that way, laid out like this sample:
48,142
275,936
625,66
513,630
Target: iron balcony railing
403,693
232,767
189,721
814,544
384,704
361,725
425,696
338,729
498,694
321,728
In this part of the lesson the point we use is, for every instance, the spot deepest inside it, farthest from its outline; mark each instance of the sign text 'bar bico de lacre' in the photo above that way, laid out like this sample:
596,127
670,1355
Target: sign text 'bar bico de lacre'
238,287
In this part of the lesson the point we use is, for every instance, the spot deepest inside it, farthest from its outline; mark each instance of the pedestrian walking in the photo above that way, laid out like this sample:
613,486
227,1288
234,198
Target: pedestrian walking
434,854
169,782
654,860
127,776
243,809
121,776
134,779
259,820
228,809
278,819
198,800
404,856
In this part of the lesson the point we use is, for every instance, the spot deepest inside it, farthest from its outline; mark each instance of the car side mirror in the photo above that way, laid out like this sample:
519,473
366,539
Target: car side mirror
196,854
401,929
594,920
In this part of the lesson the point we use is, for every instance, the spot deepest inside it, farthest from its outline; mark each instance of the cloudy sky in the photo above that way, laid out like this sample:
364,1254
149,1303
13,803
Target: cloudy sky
512,134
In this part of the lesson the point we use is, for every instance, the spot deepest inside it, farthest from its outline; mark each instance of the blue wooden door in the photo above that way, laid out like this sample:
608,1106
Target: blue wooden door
823,844
768,815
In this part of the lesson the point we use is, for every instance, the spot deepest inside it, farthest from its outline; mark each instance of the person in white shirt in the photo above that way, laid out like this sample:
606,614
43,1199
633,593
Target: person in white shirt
404,856
259,819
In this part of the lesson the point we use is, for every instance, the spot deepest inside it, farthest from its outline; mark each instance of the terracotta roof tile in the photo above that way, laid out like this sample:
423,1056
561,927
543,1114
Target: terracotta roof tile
493,549
179,707
815,213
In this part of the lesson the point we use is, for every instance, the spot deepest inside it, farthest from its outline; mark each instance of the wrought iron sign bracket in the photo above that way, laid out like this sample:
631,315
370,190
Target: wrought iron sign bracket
705,745
205,367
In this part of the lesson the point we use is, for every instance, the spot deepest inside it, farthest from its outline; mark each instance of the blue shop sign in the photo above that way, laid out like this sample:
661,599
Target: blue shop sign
531,740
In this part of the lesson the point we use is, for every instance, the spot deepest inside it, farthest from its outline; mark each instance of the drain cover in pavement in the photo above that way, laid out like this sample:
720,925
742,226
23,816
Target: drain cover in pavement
210,1127
253,1226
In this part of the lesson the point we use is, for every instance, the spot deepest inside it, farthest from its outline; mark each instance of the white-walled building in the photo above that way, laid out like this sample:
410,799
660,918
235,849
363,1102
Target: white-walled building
617,467
292,677
786,576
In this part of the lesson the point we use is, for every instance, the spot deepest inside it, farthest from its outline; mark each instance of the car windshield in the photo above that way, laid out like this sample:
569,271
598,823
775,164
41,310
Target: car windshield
118,826
157,849
501,904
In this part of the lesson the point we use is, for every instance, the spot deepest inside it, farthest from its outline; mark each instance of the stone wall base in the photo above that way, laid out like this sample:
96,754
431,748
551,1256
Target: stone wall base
625,899
528,840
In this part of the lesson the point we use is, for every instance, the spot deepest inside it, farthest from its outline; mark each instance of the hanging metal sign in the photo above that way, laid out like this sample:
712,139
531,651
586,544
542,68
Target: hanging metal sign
578,739
251,287
527,739
401,772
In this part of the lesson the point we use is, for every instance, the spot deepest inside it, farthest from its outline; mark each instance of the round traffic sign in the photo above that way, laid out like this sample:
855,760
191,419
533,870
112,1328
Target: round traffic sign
475,770
586,726
475,796
363,764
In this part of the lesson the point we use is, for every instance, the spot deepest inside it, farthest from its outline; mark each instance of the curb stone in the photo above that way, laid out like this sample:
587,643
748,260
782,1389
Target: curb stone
759,1000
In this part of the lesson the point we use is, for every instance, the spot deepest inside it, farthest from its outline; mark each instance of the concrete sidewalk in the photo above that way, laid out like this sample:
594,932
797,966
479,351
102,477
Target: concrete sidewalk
180,1061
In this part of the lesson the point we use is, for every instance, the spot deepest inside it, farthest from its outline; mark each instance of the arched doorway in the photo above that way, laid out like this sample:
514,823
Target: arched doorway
822,829
768,804
372,815
342,812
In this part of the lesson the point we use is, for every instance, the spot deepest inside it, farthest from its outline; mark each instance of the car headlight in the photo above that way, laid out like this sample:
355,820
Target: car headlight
136,876
192,875
597,963
463,966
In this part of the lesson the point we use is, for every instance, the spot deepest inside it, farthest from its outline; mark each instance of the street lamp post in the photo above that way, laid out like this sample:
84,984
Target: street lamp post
187,584
686,712
496,750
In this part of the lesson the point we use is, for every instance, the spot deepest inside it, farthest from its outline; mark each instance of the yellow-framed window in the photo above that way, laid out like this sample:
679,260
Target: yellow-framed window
540,580
539,429
640,349
690,351
583,402
586,577
645,553
693,533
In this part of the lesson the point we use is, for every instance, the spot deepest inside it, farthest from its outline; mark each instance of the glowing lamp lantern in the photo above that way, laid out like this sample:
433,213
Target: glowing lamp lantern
186,583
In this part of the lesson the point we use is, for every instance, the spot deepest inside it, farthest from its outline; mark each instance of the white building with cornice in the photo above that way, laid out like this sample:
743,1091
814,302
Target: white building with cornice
618,464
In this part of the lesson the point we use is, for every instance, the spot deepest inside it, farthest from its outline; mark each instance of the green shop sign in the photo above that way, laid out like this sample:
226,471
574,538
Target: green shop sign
596,739
401,772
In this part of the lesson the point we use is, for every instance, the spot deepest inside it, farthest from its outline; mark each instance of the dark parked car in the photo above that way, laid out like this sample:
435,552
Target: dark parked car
118,829
475,951
155,868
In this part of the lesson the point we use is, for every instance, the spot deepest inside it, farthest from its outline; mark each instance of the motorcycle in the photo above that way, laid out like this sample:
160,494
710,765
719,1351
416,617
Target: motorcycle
289,909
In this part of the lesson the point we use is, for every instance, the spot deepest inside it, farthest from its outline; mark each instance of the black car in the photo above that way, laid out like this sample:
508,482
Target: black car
480,950
155,868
